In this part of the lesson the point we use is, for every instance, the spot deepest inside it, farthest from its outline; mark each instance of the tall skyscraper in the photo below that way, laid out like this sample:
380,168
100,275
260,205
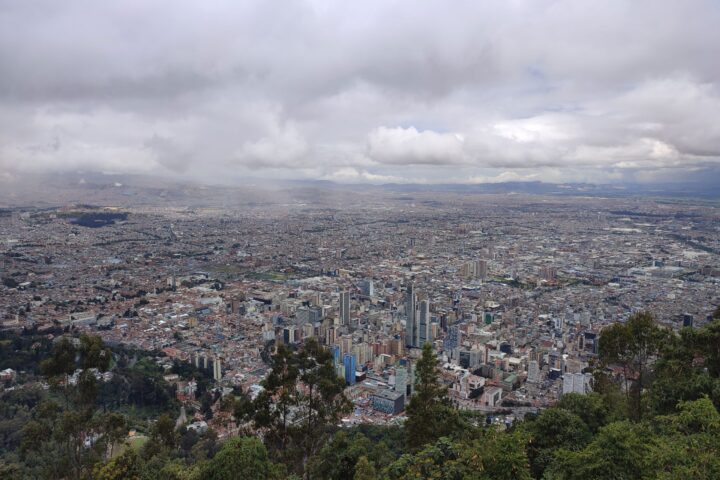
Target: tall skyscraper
410,314
423,323
401,380
349,362
367,287
453,338
533,371
345,308
481,269
217,370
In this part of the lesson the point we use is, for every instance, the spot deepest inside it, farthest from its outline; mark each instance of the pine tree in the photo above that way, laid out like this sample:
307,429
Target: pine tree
364,470
430,413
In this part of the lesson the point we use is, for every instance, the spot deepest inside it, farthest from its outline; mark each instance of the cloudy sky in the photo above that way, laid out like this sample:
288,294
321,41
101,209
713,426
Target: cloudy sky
369,91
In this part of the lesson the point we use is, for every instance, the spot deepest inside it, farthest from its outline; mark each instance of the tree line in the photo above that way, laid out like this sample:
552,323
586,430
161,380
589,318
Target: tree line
653,414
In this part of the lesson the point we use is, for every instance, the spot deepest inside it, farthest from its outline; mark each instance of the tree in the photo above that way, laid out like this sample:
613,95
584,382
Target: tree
621,450
685,444
93,353
430,414
320,397
707,343
496,456
590,408
242,457
115,428
62,361
364,470
74,433
206,404
553,429
87,389
163,431
338,457
688,368
634,346
127,466
303,398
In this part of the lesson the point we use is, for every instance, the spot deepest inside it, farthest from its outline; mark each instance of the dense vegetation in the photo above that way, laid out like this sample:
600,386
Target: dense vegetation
654,414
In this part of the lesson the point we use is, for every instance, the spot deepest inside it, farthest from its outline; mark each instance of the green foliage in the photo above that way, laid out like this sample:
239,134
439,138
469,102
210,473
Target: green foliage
24,352
93,353
682,445
87,389
430,414
554,429
127,466
633,346
590,408
364,470
62,361
496,456
302,400
242,457
621,450
140,385
688,369
163,431
338,458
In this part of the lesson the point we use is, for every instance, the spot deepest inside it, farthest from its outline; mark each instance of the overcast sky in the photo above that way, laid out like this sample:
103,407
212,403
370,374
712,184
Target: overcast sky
386,91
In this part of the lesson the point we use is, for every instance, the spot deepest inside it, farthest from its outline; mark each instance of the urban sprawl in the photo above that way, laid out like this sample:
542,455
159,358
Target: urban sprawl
511,291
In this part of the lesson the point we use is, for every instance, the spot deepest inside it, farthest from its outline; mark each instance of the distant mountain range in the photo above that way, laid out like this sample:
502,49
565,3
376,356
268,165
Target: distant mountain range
112,189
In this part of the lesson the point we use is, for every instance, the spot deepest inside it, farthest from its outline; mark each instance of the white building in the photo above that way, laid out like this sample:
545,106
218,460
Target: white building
533,371
577,383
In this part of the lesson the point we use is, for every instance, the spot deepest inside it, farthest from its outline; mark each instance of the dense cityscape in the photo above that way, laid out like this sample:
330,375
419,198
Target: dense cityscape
512,291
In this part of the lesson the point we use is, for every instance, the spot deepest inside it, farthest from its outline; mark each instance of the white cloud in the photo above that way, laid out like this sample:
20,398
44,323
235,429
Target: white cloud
283,147
354,175
196,88
408,146
503,177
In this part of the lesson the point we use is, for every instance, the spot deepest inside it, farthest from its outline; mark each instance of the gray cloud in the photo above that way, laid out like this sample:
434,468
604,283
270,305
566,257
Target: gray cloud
373,91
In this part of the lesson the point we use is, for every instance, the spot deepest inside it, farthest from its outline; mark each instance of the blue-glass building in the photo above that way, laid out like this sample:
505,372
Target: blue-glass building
349,363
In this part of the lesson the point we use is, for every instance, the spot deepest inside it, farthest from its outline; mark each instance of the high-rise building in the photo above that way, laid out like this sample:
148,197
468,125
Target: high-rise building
308,330
576,383
349,363
549,273
401,380
330,336
217,370
453,338
289,335
345,308
367,287
481,269
475,269
533,371
337,360
410,314
423,323
308,314
346,344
